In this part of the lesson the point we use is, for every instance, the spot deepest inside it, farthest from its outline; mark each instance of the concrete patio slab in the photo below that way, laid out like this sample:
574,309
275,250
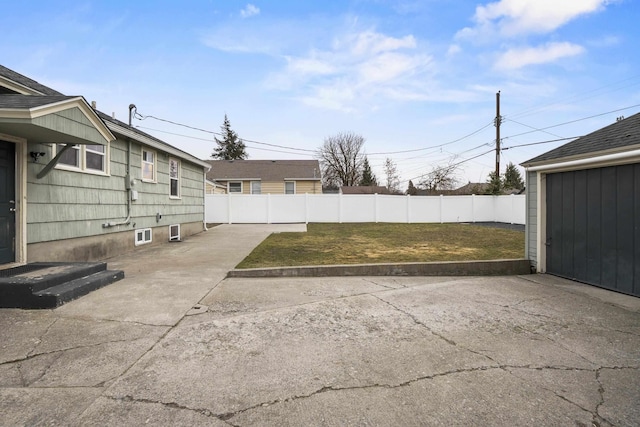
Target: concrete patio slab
177,344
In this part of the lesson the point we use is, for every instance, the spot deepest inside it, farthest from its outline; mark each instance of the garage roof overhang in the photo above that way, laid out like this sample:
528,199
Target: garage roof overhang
595,160
52,119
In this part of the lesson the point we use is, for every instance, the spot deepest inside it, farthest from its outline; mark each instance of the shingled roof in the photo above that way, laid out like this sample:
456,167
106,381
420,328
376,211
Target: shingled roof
618,136
31,101
27,82
265,170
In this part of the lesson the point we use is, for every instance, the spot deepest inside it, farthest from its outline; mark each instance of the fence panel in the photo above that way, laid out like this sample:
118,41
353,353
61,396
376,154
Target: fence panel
280,208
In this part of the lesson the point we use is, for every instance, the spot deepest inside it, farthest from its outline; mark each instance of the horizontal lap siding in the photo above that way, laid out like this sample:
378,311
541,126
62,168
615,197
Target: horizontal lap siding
532,218
66,204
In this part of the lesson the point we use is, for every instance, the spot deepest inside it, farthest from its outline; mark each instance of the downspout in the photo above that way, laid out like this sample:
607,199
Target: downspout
127,179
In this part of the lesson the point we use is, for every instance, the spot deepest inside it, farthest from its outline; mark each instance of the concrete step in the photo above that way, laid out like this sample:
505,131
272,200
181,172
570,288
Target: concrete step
57,295
51,284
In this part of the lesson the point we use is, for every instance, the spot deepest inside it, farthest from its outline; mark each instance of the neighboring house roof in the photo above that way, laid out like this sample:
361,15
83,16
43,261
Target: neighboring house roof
364,189
23,84
264,170
618,136
465,190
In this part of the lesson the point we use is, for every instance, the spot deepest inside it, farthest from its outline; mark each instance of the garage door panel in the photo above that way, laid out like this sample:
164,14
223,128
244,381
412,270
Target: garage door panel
554,235
568,236
593,225
625,227
594,218
608,226
636,226
581,240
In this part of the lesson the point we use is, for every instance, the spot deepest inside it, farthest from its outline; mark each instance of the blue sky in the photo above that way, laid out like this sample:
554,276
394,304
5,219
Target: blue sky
404,74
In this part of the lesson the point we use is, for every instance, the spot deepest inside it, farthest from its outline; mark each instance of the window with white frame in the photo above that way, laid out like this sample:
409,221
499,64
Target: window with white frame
256,187
148,165
143,235
85,158
174,177
235,187
289,187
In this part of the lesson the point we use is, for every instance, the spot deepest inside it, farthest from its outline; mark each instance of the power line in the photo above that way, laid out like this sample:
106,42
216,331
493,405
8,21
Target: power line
208,140
540,142
573,121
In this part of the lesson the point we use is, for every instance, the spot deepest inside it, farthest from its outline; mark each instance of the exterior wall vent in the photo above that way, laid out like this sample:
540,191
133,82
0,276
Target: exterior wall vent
143,236
174,233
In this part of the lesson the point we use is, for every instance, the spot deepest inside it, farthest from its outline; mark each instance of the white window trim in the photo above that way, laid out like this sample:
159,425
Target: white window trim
285,187
83,161
179,179
140,236
155,166
235,192
251,186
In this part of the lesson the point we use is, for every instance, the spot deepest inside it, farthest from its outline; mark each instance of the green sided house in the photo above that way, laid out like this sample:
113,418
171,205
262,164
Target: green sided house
79,185
583,208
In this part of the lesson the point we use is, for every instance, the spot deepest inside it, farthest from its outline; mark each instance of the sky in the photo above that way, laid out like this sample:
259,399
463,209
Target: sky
417,79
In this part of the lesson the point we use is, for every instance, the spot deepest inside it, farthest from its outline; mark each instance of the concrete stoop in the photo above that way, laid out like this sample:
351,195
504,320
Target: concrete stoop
51,284
500,267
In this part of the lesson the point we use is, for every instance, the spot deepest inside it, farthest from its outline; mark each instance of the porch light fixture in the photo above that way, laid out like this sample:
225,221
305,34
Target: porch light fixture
35,155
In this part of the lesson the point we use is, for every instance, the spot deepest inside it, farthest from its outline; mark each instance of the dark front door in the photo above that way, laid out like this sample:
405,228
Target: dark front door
593,226
7,202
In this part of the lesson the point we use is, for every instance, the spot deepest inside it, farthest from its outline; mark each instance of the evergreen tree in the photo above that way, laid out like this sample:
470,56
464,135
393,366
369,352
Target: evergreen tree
230,147
368,178
512,178
411,189
495,184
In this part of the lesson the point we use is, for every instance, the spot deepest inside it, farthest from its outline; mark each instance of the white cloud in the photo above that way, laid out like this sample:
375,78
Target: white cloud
518,58
516,17
359,70
249,11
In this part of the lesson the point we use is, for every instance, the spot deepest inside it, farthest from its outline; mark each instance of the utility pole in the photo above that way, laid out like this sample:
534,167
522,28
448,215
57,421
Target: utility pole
497,122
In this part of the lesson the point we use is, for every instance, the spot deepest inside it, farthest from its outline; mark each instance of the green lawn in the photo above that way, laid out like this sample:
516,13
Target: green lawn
325,244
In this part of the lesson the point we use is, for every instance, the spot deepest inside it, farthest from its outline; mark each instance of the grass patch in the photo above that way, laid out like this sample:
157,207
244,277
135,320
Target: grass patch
326,244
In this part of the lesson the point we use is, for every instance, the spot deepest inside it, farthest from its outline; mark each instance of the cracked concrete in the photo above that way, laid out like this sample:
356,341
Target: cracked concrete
177,344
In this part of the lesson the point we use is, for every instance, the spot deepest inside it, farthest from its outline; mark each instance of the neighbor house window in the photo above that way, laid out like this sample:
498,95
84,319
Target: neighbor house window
289,187
174,177
148,166
235,187
85,158
255,187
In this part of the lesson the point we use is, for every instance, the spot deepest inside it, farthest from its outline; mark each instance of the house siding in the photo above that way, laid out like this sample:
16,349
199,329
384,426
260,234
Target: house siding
76,124
53,201
532,218
311,187
273,188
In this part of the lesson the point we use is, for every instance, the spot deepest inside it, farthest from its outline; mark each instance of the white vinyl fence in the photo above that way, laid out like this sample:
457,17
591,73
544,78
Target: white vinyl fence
305,208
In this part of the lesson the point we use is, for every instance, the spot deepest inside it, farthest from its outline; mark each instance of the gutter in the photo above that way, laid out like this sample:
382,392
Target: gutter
593,162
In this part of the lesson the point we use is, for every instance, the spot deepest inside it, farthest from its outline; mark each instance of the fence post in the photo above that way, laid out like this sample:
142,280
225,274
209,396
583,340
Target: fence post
408,208
229,208
306,208
375,207
340,208
441,207
512,200
268,208
473,208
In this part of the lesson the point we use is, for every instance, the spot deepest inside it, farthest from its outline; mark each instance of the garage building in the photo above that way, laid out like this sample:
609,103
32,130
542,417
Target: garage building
583,208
